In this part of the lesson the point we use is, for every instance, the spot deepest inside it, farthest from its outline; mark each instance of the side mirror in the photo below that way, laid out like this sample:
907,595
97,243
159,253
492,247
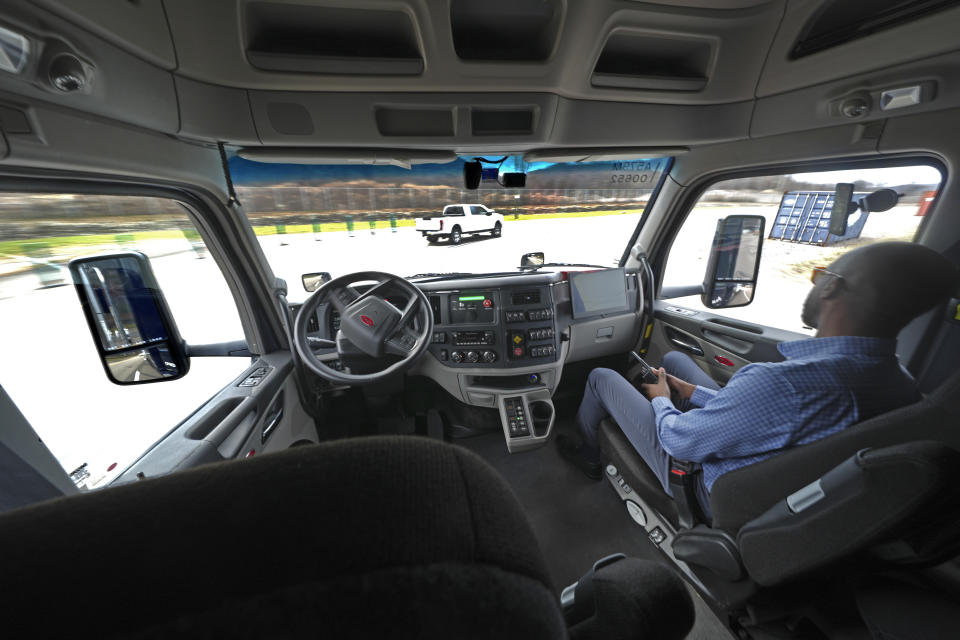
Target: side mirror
844,205
132,326
312,281
531,260
731,276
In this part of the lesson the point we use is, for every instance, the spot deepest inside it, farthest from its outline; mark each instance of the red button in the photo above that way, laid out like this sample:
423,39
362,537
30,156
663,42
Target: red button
487,303
518,351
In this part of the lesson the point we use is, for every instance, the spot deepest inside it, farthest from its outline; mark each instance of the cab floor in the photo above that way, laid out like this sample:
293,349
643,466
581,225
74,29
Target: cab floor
577,520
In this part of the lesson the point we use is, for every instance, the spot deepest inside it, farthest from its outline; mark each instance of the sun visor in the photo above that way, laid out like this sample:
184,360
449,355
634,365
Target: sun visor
601,154
397,157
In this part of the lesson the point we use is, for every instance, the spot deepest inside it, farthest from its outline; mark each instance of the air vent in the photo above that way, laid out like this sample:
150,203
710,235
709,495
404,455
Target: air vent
491,122
508,30
525,297
655,63
840,21
313,325
435,306
415,122
327,40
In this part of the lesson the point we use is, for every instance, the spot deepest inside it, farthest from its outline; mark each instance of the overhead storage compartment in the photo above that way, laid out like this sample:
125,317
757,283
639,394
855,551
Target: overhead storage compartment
840,21
329,40
654,62
505,30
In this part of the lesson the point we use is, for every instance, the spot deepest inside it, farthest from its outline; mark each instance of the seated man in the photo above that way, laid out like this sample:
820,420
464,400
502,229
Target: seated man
848,373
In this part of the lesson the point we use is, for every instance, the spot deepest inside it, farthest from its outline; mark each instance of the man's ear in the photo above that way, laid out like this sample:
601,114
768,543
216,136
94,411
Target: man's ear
831,289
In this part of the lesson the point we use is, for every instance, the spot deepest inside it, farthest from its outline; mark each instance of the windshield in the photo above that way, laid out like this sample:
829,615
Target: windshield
421,220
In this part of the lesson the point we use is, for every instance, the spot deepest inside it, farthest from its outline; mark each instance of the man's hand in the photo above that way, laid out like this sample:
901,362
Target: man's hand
682,388
658,390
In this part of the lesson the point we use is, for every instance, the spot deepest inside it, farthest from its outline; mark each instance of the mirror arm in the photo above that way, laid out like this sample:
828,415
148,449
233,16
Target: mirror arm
232,348
680,291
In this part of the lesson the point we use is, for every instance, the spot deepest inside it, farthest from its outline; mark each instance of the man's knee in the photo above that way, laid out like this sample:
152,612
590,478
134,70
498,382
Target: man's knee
674,359
599,375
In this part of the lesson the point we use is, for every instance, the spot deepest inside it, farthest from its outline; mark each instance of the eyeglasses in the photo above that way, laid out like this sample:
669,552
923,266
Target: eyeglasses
819,272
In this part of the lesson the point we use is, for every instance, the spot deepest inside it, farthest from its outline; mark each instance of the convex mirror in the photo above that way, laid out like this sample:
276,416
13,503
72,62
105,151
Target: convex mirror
531,260
313,281
132,327
731,276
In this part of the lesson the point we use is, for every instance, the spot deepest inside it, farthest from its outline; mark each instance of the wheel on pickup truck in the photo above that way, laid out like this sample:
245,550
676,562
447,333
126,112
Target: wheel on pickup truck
497,230
455,236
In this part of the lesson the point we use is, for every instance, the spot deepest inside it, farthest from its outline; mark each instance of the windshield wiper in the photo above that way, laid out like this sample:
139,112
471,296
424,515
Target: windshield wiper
562,264
437,275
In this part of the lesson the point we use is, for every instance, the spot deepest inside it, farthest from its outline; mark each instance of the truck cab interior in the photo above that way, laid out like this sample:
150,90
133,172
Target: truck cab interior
243,395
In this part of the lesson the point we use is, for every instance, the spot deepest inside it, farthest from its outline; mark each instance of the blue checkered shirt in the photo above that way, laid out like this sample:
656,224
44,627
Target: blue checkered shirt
824,386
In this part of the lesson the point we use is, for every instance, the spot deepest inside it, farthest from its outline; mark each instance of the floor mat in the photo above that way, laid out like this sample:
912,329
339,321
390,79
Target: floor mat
576,520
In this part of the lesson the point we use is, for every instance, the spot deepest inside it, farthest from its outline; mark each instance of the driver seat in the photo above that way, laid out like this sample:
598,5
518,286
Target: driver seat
790,517
378,537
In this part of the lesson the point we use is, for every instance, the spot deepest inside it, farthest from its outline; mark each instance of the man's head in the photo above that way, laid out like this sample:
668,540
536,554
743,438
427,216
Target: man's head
876,290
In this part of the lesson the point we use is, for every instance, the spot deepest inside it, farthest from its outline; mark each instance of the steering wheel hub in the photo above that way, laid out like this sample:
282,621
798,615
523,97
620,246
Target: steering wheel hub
369,323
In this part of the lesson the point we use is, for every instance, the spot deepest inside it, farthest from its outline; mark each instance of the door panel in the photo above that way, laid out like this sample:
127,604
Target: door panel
243,417
719,345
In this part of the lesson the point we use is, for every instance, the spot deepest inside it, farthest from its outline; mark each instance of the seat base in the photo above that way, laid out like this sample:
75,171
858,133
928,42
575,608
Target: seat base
616,448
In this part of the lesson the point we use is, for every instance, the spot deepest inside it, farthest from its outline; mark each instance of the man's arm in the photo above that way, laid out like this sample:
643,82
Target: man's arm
751,414
697,395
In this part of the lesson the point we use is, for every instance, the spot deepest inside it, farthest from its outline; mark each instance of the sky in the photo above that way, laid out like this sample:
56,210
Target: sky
889,176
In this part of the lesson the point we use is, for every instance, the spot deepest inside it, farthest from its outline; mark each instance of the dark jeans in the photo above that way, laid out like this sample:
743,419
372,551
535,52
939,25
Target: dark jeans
610,394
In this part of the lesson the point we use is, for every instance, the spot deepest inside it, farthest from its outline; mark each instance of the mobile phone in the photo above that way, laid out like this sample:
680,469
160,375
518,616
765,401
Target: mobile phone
647,374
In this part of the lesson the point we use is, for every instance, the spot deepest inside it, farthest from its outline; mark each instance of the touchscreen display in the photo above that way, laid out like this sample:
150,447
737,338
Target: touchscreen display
596,292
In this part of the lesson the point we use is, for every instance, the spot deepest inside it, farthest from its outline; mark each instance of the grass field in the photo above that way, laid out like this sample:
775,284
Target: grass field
50,245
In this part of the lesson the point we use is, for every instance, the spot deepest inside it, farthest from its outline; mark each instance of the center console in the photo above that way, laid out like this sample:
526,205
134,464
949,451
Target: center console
497,328
501,342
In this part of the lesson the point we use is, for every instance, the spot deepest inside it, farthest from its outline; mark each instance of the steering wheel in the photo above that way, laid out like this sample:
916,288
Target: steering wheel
369,326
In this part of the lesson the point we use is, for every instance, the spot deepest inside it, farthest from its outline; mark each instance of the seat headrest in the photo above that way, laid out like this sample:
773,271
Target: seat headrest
244,531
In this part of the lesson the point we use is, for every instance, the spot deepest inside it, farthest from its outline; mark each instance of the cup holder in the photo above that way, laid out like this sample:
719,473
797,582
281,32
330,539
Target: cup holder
541,412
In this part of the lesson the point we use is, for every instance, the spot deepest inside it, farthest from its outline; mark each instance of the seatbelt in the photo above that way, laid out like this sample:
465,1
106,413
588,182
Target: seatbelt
683,484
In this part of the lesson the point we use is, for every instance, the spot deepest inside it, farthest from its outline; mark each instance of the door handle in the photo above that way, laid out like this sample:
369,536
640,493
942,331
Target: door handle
273,424
692,347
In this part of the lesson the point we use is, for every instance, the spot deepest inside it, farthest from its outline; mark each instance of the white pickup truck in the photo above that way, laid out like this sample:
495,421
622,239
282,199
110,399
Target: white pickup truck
458,220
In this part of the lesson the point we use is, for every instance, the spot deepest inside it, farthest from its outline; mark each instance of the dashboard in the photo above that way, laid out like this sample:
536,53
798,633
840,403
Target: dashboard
501,341
499,323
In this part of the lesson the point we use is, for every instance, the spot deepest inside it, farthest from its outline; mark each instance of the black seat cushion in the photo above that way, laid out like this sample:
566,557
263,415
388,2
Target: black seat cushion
741,495
398,537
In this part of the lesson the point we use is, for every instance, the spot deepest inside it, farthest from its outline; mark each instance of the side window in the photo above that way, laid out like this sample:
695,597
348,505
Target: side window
51,369
790,205
477,211
454,211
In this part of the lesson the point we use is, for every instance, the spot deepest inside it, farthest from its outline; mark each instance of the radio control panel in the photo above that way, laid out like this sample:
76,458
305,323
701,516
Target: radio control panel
499,328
